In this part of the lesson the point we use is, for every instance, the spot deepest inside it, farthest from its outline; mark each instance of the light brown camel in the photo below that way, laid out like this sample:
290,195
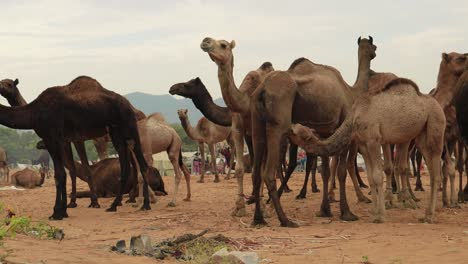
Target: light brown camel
4,171
28,178
156,136
450,69
311,94
78,111
9,90
396,115
206,132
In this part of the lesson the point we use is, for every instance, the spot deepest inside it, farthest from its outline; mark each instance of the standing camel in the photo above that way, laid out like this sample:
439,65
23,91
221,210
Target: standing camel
78,111
396,115
43,161
206,132
4,171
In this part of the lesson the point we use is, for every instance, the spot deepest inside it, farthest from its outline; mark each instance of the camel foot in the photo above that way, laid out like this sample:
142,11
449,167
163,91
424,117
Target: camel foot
58,215
378,220
187,199
461,197
301,195
364,199
216,180
131,200
95,204
171,204
289,224
287,190
55,217
250,200
454,206
348,216
427,219
113,208
239,212
363,186
332,199
258,222
72,205
410,203
324,213
315,189
390,204
145,207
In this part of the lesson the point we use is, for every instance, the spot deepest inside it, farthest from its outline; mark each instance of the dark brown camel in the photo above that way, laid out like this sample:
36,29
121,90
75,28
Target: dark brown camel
78,111
28,178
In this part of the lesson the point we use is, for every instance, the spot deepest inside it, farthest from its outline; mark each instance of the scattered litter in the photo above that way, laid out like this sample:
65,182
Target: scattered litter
11,188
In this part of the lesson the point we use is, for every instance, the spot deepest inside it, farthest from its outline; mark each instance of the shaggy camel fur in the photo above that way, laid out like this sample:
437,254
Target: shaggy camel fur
396,115
28,178
156,136
4,171
75,112
206,132
302,95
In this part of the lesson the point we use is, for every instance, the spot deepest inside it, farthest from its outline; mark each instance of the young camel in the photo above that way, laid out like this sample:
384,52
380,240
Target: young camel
396,115
28,178
206,132
78,111
4,171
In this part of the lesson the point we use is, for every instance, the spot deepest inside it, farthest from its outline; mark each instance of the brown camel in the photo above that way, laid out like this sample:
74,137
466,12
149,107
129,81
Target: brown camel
450,70
4,171
206,132
106,175
302,95
75,112
396,115
28,178
9,90
156,136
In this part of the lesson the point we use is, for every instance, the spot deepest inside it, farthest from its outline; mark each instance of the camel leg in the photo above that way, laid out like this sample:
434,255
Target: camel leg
174,158
343,164
56,151
465,190
201,147
68,156
350,165
186,173
303,192
283,150
408,175
358,175
460,157
449,173
332,178
233,154
371,154
313,168
80,149
325,210
401,170
211,148
390,201
291,167
238,137
259,147
418,158
124,156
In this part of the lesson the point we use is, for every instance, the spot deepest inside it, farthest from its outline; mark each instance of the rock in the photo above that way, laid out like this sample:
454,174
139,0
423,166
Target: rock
234,257
141,244
120,247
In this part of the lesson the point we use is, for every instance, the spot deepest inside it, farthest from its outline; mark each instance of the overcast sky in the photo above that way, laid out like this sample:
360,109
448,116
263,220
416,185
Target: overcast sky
149,45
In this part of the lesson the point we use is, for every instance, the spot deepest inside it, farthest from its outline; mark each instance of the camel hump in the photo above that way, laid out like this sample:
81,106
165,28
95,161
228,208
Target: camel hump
297,62
401,81
266,65
83,78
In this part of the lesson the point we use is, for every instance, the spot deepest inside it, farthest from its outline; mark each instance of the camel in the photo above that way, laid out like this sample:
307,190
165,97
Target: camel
4,171
28,178
209,133
396,115
450,70
44,161
75,112
302,94
106,175
156,136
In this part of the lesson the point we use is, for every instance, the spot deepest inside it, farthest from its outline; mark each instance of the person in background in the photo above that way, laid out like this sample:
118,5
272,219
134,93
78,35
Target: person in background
226,152
301,158
196,164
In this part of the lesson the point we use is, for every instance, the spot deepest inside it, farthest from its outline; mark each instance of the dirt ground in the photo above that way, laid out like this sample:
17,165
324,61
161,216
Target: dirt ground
89,233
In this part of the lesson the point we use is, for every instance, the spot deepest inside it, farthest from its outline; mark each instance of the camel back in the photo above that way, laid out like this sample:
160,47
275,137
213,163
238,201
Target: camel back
401,81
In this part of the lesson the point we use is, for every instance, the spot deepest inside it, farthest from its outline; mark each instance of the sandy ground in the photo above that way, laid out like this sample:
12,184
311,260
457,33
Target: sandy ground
89,233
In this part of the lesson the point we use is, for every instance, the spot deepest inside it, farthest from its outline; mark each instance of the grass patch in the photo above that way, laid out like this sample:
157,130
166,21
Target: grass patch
200,250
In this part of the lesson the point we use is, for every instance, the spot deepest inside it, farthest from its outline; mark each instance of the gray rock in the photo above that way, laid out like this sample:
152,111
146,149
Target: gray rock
141,244
234,257
121,246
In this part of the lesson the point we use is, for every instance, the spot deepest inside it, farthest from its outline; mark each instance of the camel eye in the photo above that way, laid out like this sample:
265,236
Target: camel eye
461,59
223,45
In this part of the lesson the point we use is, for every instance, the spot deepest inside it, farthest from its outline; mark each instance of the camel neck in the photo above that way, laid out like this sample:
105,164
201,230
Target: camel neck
191,132
20,117
216,114
16,100
445,87
361,85
235,100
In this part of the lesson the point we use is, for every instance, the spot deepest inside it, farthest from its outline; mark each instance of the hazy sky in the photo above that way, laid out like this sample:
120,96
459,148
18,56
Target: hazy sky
149,45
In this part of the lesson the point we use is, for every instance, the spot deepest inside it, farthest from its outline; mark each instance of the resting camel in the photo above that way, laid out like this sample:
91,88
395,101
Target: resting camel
78,111
4,171
28,178
303,95
396,115
156,136
106,175
206,132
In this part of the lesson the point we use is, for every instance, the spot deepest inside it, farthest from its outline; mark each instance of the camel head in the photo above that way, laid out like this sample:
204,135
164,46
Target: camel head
453,63
302,135
367,47
156,182
182,113
8,88
190,89
220,51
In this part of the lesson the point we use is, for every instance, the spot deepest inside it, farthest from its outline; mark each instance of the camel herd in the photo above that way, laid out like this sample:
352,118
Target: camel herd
309,105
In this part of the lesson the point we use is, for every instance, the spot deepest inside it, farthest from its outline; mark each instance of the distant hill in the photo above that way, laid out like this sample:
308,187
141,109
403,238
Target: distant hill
167,105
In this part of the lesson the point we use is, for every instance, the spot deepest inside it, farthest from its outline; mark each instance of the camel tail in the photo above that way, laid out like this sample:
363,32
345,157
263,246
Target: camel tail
181,162
331,146
262,109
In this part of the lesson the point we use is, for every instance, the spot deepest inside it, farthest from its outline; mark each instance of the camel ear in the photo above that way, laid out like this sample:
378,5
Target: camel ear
197,80
445,57
16,82
233,44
